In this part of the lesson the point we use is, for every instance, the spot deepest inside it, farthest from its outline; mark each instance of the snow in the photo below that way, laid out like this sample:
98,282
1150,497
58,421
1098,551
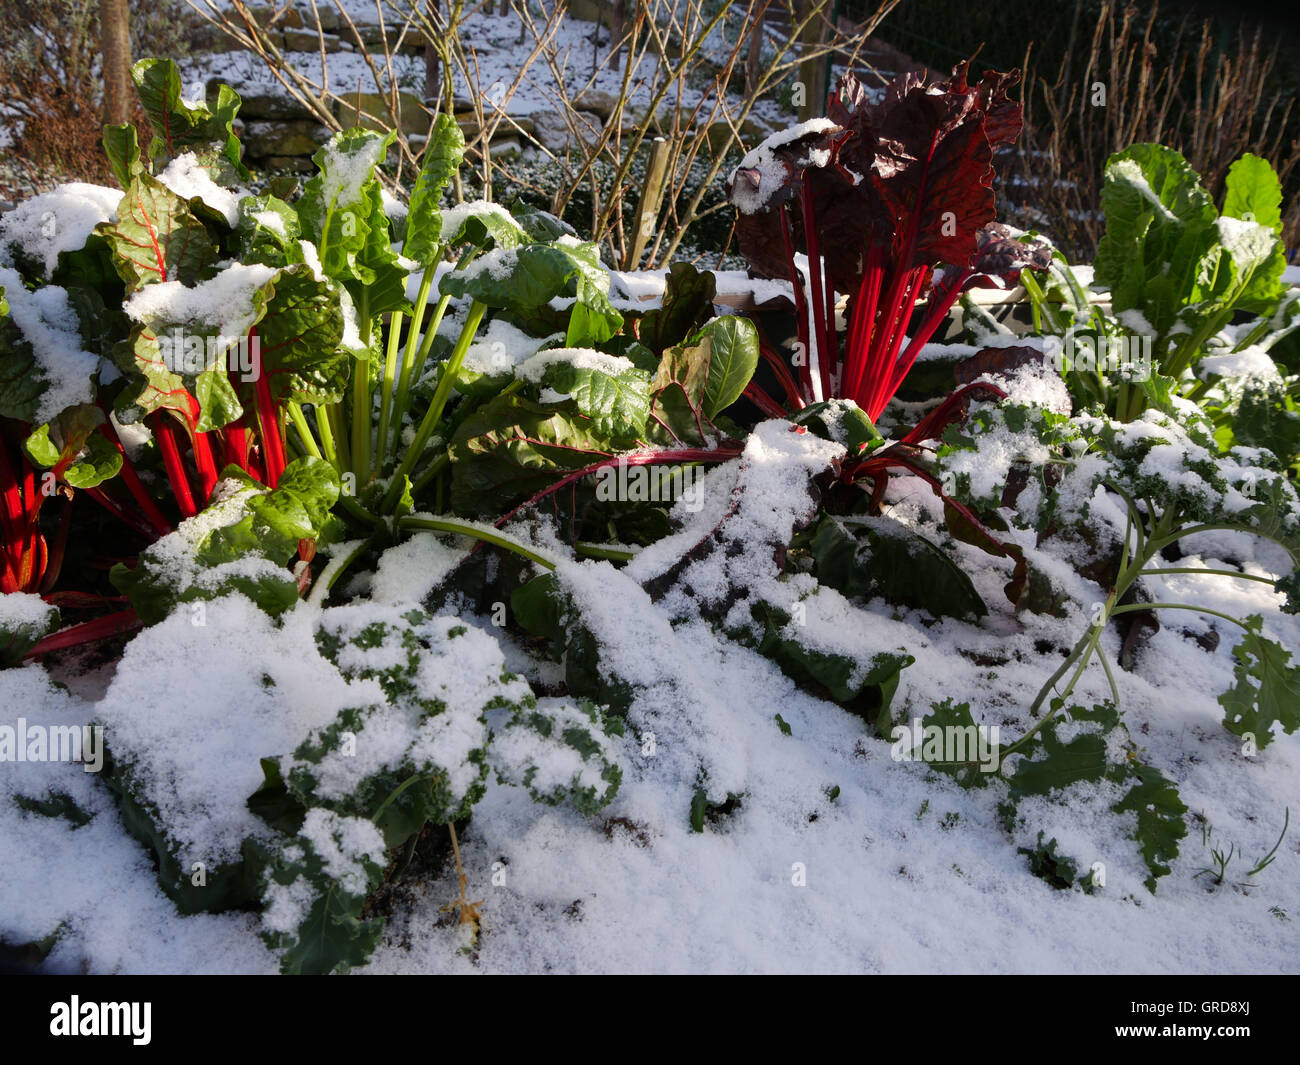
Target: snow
1249,243
635,889
93,883
761,173
902,871
343,173
50,325
534,368
197,762
1130,172
342,843
224,304
273,221
454,218
21,610
502,349
57,221
190,180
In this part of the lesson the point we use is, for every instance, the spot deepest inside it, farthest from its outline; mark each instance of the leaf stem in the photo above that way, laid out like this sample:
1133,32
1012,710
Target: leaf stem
461,528
361,398
450,371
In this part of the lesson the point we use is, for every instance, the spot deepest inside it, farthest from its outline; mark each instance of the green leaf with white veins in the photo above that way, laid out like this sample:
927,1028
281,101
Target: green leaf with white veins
1159,231
592,319
442,158
482,224
1266,688
1250,271
380,270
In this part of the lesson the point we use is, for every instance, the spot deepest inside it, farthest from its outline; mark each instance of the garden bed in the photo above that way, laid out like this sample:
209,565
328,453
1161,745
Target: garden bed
916,603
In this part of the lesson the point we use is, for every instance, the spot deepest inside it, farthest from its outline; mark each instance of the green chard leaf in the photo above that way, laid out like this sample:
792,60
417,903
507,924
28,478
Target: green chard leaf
615,397
72,447
156,237
442,158
1254,192
180,127
335,210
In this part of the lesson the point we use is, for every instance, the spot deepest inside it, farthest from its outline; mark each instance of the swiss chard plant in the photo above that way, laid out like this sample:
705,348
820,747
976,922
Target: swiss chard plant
1195,296
887,203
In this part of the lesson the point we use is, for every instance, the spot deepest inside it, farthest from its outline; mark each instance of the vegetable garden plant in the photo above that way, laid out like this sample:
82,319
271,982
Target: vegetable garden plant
260,396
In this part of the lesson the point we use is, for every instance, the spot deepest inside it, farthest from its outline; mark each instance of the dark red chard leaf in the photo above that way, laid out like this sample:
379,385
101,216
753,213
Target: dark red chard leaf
1003,117
767,179
934,170
996,361
891,191
1002,254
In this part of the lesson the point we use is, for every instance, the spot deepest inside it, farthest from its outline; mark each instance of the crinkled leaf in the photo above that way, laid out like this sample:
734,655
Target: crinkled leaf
268,231
336,205
1266,689
1159,809
277,521
442,158
1057,764
617,403
300,333
687,305
513,448
540,225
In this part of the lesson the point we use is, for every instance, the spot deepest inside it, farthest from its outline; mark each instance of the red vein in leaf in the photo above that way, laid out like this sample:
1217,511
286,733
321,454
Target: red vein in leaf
669,457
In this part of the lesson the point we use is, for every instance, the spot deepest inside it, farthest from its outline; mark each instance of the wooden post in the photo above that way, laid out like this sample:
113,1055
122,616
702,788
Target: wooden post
647,210
115,47
812,72
616,32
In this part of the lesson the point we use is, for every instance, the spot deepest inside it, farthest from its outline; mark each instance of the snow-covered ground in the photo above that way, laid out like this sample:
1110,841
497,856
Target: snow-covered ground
903,871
